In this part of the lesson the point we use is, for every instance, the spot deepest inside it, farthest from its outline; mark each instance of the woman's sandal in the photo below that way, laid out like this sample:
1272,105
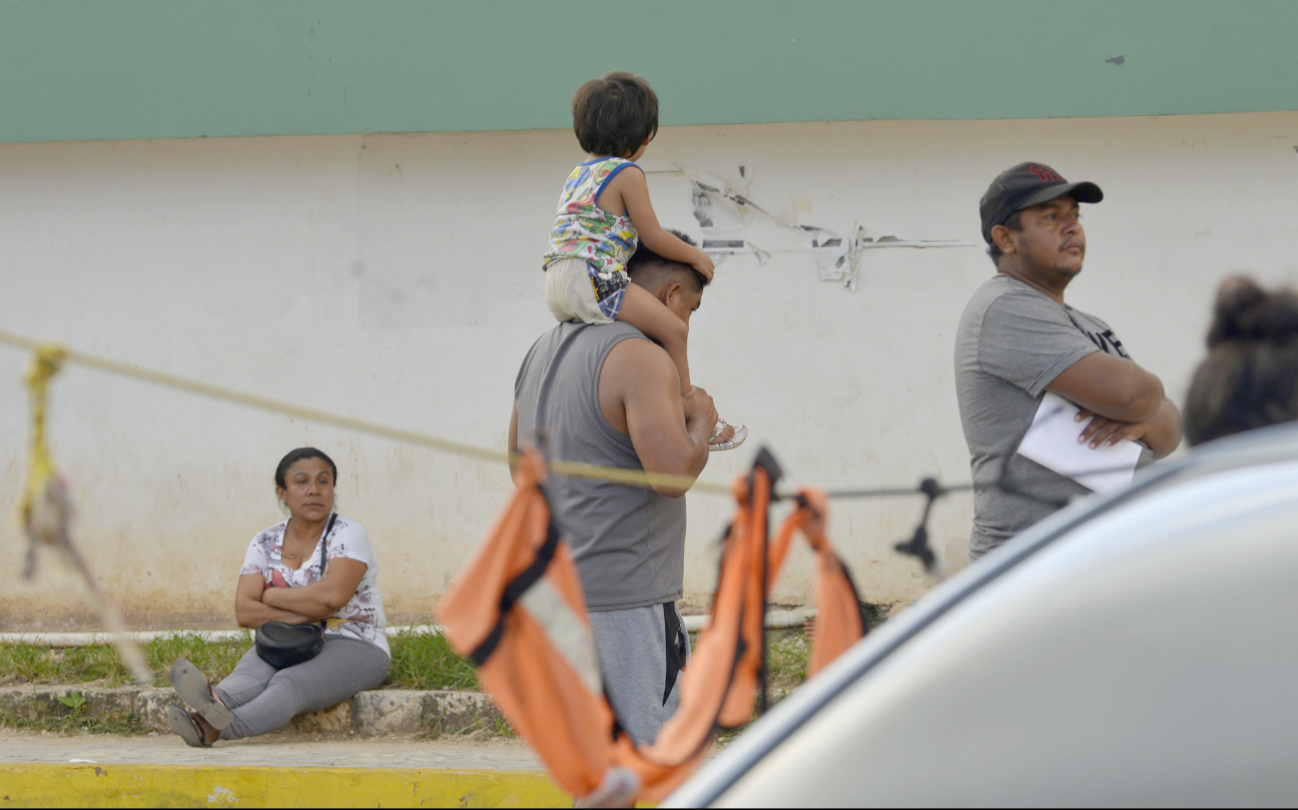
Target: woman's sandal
193,688
741,433
186,727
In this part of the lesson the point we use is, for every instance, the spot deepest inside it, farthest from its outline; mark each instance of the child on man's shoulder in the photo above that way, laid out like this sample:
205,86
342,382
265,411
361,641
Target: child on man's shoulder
604,213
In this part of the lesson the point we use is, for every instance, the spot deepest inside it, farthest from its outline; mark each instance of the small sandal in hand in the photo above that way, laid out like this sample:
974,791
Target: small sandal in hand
741,433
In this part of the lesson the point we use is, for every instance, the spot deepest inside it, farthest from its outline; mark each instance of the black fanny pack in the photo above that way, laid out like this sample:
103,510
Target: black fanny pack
281,644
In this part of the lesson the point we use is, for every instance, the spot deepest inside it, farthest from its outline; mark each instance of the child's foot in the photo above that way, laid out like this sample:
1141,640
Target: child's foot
726,436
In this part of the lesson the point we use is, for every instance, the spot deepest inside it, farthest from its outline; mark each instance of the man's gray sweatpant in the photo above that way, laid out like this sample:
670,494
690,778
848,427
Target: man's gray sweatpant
637,660
263,699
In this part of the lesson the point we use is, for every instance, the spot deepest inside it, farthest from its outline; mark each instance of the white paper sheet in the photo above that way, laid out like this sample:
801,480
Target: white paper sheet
1052,443
831,251
720,221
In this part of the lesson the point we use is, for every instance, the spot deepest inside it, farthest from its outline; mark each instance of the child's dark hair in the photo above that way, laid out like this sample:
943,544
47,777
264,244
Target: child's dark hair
614,114
294,456
1250,377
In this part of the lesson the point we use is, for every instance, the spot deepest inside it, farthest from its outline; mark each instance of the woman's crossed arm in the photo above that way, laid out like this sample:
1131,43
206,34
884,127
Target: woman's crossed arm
251,611
319,600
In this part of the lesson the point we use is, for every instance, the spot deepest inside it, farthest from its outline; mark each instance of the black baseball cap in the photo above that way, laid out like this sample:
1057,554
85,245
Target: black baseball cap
1024,186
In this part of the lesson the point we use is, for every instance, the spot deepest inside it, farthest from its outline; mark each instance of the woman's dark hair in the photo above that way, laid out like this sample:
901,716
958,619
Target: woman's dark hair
1250,377
294,456
614,114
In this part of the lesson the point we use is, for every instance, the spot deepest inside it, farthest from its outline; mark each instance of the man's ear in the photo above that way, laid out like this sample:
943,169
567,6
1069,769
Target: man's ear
1004,239
670,293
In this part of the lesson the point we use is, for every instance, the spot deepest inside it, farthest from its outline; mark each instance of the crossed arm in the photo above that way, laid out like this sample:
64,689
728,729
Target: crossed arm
1122,401
255,604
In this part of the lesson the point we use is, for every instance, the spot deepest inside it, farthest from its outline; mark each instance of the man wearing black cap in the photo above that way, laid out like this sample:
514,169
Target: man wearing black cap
1018,339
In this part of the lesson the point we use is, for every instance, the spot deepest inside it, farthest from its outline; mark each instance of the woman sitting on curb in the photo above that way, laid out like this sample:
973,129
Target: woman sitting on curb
282,581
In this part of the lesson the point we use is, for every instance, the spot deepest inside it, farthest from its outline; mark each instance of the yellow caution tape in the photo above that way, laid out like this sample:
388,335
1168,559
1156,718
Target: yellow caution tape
43,510
46,512
619,475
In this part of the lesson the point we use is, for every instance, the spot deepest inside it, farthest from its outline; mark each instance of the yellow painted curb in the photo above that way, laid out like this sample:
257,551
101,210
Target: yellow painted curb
57,785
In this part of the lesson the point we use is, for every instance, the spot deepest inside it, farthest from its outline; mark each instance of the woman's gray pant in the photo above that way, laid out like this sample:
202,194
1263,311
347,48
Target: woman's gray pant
263,699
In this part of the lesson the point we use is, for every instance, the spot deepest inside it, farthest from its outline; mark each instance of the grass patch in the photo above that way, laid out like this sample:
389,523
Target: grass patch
427,662
215,658
423,661
418,662
35,663
787,654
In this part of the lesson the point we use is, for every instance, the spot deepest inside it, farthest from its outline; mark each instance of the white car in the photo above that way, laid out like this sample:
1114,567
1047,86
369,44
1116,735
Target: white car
1135,648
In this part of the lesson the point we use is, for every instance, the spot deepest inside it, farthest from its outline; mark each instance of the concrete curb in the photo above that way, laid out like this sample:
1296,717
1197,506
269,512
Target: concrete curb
383,711
41,785
775,619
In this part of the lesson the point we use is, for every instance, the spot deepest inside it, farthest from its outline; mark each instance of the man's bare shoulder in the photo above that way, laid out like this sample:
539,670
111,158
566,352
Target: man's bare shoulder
634,370
634,366
640,361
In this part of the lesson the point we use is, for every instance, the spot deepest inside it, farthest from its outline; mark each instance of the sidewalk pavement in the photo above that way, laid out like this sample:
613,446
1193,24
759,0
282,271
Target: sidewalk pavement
274,750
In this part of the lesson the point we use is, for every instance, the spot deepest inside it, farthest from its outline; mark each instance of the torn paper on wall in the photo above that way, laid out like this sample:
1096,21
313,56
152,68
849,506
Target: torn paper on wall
720,220
830,251
724,218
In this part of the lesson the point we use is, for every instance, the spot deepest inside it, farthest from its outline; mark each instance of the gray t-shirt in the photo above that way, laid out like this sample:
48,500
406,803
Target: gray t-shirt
628,542
1013,341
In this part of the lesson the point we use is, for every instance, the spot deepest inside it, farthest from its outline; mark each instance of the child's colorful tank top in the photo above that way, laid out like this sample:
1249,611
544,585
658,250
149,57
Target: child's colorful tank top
583,230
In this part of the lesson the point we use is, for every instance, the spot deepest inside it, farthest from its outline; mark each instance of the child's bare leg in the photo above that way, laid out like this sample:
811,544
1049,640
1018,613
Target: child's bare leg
646,313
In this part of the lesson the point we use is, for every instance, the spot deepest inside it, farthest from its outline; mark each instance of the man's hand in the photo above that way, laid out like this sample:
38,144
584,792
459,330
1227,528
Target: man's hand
1103,430
1161,432
700,412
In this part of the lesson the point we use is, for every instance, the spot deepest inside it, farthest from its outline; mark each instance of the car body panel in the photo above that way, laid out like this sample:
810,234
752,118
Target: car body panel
1133,648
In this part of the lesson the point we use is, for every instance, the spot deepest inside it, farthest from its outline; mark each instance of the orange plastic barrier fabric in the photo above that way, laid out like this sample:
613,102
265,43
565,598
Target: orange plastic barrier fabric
518,613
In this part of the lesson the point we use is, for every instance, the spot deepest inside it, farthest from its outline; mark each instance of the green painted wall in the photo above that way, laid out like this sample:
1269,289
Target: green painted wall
89,69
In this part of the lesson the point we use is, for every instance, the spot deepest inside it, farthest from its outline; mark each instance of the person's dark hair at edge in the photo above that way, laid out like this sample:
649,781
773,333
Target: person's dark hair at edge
1250,377
294,456
649,269
1014,223
614,114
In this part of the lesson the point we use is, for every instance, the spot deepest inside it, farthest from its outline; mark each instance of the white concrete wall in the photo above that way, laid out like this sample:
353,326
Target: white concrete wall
396,278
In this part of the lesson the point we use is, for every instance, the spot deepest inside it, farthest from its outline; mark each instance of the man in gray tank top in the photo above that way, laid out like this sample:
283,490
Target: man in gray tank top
606,395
